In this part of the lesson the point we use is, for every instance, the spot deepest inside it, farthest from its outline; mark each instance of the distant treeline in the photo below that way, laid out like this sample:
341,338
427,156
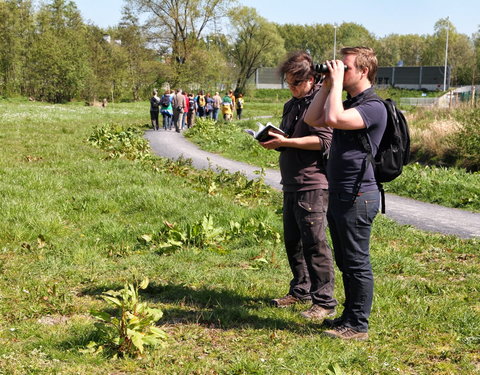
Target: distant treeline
49,52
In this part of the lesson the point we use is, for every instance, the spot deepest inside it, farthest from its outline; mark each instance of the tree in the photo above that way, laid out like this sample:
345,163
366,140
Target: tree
16,30
58,61
142,64
257,43
318,40
476,69
351,34
177,29
460,51
99,81
180,24
396,48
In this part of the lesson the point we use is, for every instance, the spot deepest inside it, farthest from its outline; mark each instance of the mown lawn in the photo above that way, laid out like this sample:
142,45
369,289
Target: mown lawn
70,228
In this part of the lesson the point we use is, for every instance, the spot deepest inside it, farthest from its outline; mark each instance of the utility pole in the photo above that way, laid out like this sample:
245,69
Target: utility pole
446,58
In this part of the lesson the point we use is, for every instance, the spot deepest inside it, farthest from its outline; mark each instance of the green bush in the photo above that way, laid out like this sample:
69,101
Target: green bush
466,142
121,141
128,333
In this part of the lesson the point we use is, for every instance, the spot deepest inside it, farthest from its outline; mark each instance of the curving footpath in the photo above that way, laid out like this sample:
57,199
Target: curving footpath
425,216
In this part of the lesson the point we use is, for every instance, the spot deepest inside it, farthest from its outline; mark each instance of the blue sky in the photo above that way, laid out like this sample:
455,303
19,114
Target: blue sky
381,17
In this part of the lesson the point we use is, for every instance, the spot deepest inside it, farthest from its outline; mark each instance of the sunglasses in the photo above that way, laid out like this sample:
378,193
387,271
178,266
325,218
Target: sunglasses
296,83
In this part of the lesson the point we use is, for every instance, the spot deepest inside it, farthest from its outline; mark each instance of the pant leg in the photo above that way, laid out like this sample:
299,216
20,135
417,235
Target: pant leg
184,119
154,119
300,283
310,213
178,122
350,224
165,121
175,117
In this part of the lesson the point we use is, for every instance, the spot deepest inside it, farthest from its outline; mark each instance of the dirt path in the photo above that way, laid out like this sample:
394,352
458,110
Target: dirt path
425,216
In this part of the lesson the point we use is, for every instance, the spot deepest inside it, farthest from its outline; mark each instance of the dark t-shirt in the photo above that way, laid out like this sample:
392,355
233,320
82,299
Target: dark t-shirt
154,103
347,154
302,170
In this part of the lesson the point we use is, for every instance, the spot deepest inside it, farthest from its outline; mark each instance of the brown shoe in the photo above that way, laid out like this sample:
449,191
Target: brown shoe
286,301
332,323
316,312
346,333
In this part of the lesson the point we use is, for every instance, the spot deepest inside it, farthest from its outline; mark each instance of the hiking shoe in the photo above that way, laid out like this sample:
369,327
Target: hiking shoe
346,333
316,312
286,301
332,323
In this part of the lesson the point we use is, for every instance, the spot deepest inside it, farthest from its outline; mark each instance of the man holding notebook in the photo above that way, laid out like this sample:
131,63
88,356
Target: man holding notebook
305,190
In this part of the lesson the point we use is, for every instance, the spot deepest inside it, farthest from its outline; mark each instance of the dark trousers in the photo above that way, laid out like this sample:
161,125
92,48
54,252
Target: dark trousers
308,253
350,225
154,119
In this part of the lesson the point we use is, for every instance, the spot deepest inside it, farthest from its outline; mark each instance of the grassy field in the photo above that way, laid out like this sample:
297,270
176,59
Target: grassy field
74,221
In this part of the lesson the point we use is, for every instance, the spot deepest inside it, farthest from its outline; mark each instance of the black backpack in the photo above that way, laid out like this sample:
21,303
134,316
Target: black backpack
165,101
394,149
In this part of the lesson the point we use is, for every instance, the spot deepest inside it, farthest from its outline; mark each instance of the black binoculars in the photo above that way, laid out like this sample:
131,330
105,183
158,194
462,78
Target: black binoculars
323,68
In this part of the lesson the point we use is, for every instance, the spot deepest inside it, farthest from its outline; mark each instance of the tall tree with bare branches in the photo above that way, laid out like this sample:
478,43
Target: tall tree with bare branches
257,43
178,25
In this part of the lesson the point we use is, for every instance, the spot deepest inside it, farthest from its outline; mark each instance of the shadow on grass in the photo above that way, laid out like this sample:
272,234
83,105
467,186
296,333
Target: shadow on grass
224,309
216,308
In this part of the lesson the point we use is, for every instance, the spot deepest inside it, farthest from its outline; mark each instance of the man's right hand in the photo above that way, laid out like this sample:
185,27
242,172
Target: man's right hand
277,141
337,71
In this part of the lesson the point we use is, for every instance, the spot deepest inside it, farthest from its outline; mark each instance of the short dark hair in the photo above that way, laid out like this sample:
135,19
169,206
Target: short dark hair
365,58
299,64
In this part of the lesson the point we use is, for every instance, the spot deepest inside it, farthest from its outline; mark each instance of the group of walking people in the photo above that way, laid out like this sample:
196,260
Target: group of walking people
341,191
179,109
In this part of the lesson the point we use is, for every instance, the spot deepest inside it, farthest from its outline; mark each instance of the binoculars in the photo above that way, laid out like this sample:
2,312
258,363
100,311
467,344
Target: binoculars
323,68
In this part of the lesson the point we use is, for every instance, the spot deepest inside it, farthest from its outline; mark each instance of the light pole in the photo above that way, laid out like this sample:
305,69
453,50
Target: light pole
446,58
334,40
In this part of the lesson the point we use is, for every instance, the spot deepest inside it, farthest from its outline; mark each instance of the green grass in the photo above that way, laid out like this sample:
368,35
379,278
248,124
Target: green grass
450,187
70,223
230,140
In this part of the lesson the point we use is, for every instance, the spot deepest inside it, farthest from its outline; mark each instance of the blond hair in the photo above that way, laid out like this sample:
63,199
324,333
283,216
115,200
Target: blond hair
365,58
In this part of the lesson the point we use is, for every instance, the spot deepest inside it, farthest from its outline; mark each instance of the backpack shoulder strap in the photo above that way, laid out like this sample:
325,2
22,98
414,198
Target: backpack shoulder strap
369,159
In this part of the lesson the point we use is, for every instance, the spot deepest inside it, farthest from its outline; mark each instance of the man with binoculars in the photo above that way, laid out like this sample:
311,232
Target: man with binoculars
353,191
